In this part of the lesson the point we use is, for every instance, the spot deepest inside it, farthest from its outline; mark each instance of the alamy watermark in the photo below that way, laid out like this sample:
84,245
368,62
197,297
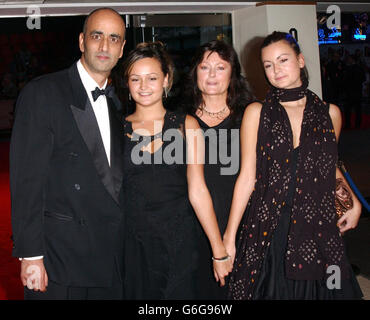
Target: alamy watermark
333,21
174,153
33,280
34,17
334,280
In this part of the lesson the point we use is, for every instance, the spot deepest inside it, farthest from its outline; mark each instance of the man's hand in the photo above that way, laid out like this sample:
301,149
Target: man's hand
33,274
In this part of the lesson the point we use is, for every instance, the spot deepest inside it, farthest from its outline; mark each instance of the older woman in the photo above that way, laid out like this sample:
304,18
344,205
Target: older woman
216,95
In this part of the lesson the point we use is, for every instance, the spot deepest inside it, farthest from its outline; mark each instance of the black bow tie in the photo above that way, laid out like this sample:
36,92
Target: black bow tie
97,92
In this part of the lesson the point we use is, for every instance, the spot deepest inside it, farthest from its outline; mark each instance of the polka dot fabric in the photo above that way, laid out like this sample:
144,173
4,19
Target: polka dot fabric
314,241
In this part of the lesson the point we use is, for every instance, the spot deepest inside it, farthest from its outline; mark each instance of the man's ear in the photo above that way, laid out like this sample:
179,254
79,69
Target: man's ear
81,40
123,45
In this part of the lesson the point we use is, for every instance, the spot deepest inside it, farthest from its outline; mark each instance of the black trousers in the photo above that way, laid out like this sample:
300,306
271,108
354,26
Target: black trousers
57,291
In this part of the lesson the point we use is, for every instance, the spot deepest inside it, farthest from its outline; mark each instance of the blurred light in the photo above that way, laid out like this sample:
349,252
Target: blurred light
360,36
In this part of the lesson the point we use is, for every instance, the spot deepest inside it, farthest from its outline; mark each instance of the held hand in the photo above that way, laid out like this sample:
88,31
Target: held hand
349,220
221,269
33,275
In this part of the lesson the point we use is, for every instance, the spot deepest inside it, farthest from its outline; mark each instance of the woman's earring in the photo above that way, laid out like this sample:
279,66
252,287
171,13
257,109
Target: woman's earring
129,96
165,92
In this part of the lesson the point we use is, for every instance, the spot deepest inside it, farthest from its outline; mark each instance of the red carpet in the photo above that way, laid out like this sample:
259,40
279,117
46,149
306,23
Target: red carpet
365,121
10,284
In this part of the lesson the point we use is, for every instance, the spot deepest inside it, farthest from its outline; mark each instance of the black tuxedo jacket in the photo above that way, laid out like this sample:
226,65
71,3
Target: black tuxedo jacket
66,199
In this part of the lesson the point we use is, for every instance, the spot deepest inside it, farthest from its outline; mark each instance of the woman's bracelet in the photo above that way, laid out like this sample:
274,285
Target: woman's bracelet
225,258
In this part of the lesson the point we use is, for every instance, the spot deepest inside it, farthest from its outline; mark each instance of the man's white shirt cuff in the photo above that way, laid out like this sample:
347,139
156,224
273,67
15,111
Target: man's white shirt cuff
32,258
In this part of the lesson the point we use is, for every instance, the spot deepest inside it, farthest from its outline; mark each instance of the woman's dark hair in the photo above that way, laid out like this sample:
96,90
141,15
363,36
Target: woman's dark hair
289,39
143,50
154,50
238,95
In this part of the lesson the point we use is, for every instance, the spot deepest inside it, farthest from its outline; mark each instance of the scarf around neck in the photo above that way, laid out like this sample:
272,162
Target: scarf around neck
314,242
285,95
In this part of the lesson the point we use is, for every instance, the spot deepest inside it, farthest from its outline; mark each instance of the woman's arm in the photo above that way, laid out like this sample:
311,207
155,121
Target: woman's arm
246,180
200,197
350,219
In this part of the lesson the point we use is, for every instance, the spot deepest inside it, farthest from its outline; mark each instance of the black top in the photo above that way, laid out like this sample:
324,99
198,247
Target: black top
222,153
221,170
160,239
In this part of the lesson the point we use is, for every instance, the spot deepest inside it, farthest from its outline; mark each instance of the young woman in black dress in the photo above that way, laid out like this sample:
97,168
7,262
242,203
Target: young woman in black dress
289,235
163,183
216,95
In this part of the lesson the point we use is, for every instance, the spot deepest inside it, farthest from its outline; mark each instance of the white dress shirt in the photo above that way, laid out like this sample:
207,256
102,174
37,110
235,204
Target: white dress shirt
100,107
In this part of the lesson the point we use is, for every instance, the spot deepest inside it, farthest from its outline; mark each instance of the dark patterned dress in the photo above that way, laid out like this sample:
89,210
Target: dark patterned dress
288,235
160,236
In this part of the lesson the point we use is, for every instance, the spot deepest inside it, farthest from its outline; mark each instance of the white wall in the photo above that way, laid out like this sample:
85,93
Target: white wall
246,24
249,28
250,25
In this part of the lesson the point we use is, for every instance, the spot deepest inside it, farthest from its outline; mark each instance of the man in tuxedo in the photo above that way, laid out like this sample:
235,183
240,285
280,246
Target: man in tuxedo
66,173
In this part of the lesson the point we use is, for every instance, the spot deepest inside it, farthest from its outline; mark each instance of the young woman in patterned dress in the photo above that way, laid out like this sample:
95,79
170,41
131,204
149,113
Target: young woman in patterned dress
289,234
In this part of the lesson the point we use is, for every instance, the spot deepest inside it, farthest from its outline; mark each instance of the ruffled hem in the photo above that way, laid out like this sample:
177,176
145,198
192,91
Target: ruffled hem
276,287
272,283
